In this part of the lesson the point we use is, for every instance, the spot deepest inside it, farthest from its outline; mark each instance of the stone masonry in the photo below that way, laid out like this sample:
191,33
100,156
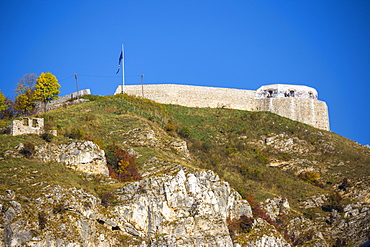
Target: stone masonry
27,126
295,102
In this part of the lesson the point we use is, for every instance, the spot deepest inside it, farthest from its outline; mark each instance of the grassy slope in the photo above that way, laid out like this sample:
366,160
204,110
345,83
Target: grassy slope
222,140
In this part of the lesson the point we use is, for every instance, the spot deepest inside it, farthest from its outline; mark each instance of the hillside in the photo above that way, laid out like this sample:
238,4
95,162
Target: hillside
266,158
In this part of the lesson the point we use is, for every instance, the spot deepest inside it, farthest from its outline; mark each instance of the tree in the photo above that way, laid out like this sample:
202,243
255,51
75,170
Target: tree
9,111
3,105
47,88
24,100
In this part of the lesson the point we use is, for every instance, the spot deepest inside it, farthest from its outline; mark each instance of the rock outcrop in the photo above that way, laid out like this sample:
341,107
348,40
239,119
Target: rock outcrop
84,156
180,208
190,208
81,156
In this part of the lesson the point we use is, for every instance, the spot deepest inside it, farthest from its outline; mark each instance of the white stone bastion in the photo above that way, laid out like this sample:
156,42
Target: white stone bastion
299,103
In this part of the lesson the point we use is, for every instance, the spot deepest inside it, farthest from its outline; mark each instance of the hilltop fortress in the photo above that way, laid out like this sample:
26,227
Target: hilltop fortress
299,103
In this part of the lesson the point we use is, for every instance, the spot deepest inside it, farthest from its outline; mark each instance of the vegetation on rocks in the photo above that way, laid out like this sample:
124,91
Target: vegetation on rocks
260,154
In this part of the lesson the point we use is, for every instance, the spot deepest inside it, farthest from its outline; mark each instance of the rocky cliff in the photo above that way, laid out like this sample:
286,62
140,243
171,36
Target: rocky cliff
180,208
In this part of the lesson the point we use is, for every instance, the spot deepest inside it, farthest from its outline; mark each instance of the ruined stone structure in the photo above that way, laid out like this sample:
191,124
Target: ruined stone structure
27,126
299,103
66,100
71,96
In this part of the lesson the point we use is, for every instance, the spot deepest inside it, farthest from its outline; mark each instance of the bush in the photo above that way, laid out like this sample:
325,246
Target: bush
309,176
88,117
47,137
107,198
122,165
344,185
28,150
242,225
75,133
171,128
258,211
184,132
334,202
42,219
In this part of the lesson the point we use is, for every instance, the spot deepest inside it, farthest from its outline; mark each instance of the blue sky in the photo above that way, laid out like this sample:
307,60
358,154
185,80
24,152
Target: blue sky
237,44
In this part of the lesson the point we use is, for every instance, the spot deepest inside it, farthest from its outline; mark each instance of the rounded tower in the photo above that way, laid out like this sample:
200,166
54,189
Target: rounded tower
286,91
297,102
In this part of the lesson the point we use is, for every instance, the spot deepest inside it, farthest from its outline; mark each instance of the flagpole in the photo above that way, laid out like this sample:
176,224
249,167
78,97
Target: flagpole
123,69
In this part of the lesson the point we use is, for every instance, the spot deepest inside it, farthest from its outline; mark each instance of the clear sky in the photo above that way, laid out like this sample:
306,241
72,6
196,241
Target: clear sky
237,44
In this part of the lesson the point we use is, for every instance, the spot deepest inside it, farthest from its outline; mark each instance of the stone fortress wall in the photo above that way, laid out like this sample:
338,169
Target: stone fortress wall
298,103
71,96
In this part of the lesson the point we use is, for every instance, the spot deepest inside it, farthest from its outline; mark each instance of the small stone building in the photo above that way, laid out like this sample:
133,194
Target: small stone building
27,126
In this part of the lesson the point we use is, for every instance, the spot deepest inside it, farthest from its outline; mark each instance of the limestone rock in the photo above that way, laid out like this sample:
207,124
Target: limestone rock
352,226
182,207
181,148
314,201
303,231
147,137
82,156
284,143
276,206
12,154
263,234
142,137
59,217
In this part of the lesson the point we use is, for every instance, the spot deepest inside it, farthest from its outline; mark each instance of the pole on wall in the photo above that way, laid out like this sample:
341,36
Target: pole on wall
76,77
142,85
123,69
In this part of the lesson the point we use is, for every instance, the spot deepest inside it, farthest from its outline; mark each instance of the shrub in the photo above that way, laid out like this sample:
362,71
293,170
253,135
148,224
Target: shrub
171,128
47,137
107,198
246,223
75,133
88,117
123,165
309,176
258,211
42,219
242,225
344,185
334,202
28,150
184,132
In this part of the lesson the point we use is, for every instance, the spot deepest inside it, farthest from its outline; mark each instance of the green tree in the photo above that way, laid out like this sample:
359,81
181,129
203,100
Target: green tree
3,105
47,88
9,111
24,100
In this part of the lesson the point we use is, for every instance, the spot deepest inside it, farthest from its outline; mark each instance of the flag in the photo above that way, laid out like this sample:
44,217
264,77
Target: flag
119,62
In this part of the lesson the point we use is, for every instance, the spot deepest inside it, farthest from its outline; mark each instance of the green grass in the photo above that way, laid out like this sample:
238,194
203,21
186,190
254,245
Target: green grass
26,177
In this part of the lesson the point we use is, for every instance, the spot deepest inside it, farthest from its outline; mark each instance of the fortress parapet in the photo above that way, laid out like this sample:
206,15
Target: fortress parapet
299,103
285,91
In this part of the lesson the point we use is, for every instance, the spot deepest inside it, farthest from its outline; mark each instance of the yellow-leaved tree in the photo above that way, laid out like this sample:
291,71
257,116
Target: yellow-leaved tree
3,105
47,88
24,100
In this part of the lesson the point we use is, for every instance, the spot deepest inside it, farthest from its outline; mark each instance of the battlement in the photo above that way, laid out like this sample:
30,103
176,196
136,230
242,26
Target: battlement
299,103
